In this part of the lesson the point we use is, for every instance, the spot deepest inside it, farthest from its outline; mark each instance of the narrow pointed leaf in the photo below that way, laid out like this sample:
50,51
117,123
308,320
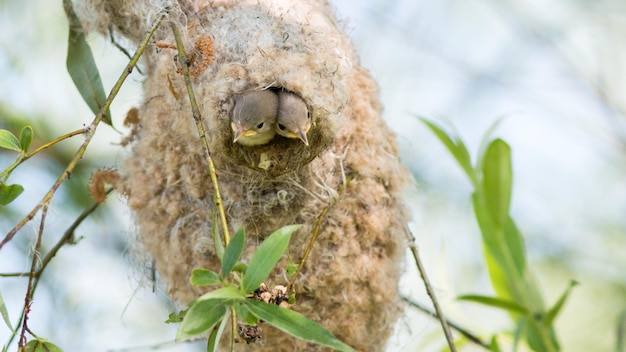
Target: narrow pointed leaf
455,146
295,324
216,335
26,138
514,244
204,277
201,317
485,142
266,257
9,141
493,344
81,65
497,181
495,302
554,311
5,313
230,293
233,251
8,193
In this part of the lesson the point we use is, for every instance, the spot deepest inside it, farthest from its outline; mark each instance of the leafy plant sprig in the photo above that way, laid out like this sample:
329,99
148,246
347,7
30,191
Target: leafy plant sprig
211,311
517,292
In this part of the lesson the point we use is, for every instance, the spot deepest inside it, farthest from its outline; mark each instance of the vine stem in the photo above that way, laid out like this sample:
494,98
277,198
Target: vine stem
90,132
430,291
184,64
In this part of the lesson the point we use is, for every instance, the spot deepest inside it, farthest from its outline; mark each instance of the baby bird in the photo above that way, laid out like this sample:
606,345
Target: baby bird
293,119
254,118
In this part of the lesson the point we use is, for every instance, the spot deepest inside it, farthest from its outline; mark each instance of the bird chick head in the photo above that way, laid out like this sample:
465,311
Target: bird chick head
254,117
293,119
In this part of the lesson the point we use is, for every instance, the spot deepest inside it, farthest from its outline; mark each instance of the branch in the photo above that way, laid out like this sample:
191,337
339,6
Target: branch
468,335
430,291
30,290
91,130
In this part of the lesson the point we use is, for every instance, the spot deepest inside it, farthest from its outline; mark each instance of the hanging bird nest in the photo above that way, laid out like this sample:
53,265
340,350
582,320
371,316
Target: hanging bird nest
349,283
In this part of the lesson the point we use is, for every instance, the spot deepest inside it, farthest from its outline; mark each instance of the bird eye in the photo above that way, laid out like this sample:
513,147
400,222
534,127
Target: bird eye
281,127
259,126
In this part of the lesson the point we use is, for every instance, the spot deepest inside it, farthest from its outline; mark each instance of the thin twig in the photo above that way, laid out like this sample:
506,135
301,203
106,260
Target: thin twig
184,64
28,297
315,233
468,335
66,238
121,48
69,233
55,141
430,291
91,130
4,175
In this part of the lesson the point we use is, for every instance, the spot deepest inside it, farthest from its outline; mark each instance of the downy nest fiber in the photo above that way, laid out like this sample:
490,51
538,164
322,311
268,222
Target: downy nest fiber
349,283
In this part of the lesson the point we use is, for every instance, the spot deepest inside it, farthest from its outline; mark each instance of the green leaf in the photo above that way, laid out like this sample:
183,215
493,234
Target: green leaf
81,65
495,302
41,346
240,267
295,324
227,293
497,181
244,314
233,252
291,269
9,141
493,344
174,317
266,257
201,317
485,142
26,137
514,244
216,335
204,277
8,193
554,311
456,147
5,313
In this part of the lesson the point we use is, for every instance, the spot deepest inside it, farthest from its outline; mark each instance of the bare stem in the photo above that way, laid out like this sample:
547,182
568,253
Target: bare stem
468,335
316,231
54,141
28,297
184,64
430,291
234,327
66,238
91,130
